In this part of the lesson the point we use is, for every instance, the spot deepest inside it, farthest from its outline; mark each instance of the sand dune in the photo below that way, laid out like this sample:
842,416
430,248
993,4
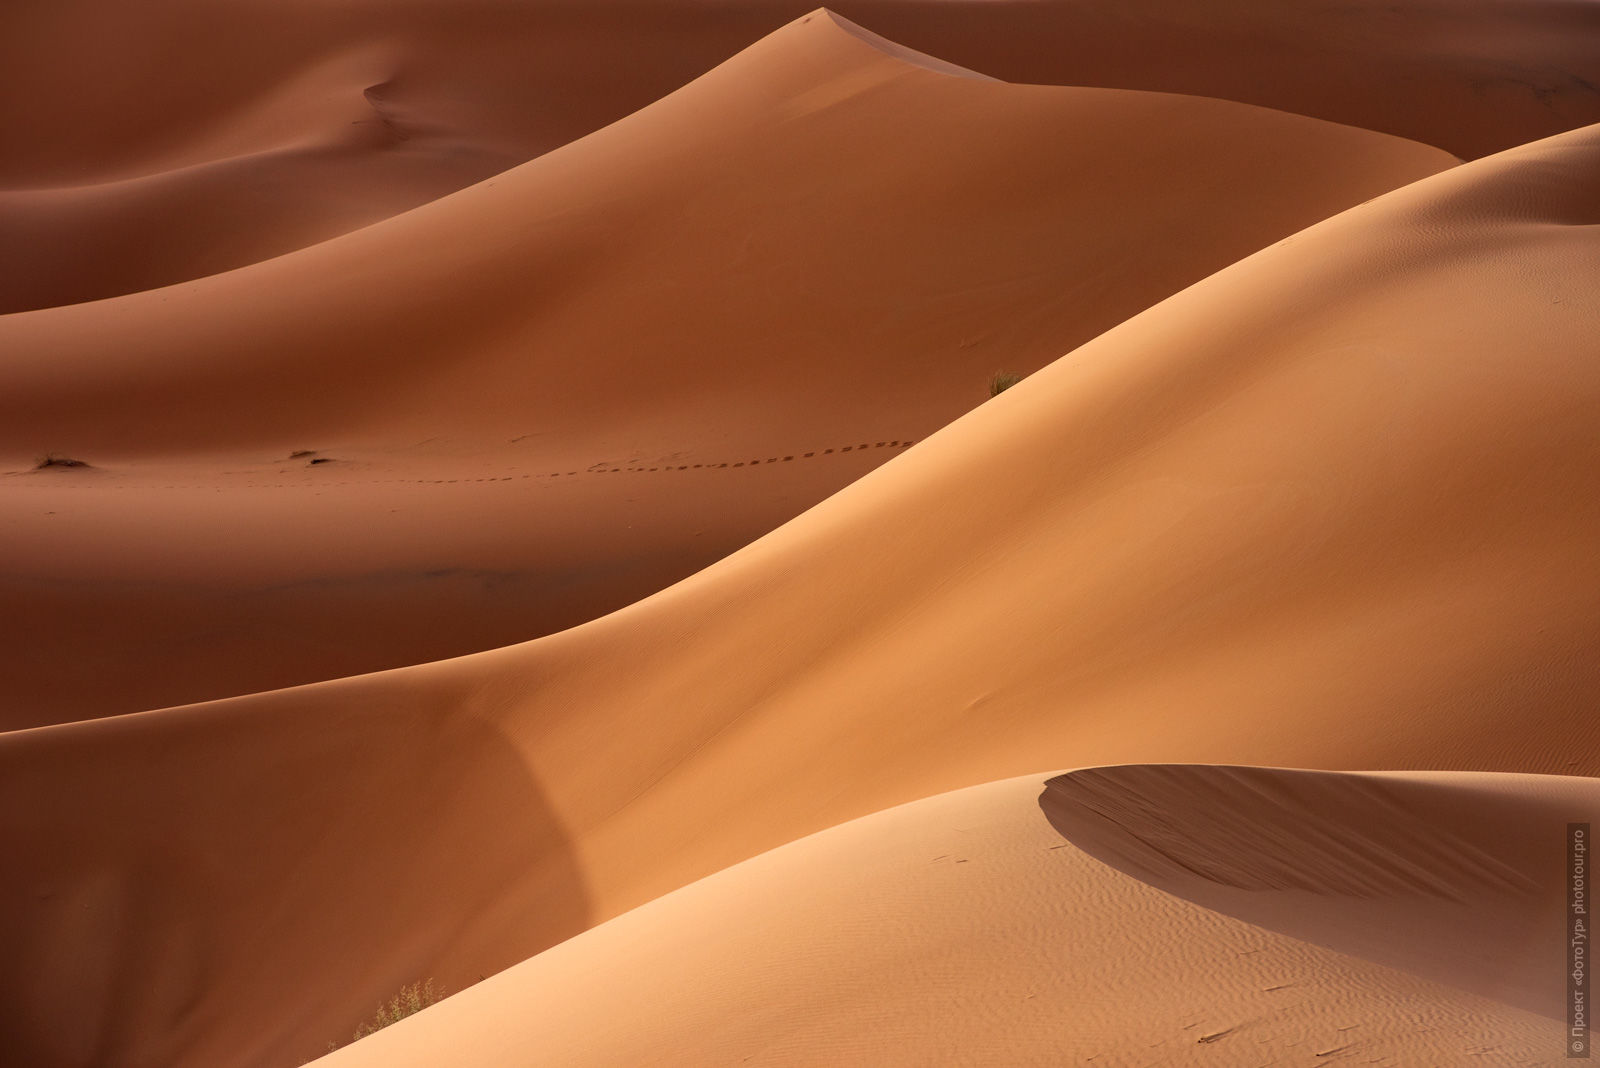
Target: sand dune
1322,509
1330,507
1313,488
256,158
540,399
959,930
237,131
1455,876
253,901
86,242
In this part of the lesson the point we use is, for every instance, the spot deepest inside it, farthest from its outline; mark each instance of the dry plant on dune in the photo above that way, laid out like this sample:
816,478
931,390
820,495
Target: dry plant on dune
1001,381
54,459
411,999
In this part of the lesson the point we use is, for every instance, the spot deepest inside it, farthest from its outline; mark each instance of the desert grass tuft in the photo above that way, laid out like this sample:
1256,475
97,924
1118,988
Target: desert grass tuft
411,999
1001,381
55,459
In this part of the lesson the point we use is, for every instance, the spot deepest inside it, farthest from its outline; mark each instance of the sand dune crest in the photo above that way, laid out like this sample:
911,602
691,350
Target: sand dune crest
602,573
1453,876
471,370
954,930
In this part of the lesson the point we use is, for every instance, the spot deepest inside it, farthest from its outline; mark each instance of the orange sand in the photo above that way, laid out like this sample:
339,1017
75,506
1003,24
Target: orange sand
697,286
1303,476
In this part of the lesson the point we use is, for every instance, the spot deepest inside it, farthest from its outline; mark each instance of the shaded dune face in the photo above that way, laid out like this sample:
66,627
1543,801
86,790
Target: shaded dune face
560,390
1455,877
243,892
1241,823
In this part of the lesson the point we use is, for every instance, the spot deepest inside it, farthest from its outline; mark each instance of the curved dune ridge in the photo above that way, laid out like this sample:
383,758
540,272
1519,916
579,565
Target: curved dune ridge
525,405
239,131
959,929
699,403
1455,876
1328,507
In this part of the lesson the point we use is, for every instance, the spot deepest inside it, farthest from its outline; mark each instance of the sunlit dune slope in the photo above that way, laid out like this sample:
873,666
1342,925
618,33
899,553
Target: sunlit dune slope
517,408
1332,507
960,930
171,139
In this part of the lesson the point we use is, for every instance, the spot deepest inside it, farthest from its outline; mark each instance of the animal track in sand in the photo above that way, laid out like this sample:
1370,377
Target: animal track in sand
602,468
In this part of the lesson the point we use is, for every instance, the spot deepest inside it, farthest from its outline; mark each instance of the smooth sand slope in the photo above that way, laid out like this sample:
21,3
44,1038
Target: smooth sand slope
178,138
961,930
1332,507
541,399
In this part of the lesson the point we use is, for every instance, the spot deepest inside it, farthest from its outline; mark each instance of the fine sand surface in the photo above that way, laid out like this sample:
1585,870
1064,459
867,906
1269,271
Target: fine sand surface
1457,876
961,930
177,138
1285,544
1332,507
538,400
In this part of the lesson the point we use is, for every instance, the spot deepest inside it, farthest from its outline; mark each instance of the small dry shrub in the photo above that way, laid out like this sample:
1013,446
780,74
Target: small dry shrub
411,999
1001,381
